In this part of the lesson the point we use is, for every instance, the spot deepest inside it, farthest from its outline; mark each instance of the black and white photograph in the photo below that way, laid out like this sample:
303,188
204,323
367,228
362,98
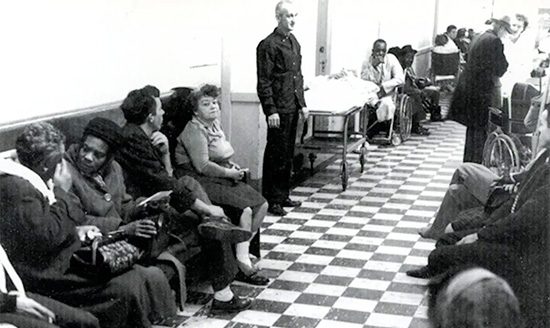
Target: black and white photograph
275,163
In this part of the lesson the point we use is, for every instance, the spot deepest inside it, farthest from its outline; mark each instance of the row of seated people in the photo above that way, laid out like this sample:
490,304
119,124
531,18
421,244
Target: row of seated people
52,202
499,223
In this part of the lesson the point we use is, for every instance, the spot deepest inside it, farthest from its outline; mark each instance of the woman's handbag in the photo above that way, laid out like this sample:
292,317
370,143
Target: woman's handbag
110,255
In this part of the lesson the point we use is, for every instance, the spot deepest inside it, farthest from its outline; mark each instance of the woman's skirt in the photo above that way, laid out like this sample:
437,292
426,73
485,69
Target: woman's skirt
225,192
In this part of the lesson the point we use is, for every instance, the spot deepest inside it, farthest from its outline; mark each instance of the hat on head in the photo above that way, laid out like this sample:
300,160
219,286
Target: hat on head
503,20
105,130
408,48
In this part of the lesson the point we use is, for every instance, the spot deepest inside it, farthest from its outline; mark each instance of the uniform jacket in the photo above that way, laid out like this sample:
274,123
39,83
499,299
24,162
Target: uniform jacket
280,82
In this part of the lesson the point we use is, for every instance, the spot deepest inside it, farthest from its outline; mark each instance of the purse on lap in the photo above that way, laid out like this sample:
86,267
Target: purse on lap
110,255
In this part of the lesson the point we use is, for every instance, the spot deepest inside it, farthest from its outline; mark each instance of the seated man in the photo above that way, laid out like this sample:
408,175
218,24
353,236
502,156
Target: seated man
470,187
145,159
384,70
501,246
424,94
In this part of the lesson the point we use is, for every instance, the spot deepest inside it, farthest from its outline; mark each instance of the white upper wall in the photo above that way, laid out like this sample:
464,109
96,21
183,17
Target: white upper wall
68,54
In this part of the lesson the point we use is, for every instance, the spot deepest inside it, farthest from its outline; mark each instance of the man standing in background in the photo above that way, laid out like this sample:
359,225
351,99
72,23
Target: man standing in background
281,91
478,87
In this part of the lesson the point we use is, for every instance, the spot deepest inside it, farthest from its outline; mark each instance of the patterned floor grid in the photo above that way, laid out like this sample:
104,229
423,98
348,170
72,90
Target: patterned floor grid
339,260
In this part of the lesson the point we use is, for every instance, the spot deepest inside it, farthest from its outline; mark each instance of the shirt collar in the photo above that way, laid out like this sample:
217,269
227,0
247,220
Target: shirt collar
282,34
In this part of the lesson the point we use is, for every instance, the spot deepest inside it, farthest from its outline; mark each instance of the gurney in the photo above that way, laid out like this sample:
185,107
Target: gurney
344,97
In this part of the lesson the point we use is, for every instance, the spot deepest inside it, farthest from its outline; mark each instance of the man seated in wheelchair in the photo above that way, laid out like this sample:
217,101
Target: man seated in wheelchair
385,70
425,95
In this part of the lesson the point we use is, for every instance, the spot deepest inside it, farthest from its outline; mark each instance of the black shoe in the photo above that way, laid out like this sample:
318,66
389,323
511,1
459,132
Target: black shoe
252,279
236,304
423,273
290,203
420,130
220,229
276,209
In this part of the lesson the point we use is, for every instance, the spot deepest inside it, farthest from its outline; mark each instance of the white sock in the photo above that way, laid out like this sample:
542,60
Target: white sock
242,250
224,295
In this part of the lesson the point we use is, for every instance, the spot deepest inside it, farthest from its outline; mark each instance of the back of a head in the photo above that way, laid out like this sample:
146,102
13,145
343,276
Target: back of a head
474,298
440,40
37,142
138,104
450,28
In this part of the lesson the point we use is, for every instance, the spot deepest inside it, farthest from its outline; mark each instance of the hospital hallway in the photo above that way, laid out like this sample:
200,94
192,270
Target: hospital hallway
340,259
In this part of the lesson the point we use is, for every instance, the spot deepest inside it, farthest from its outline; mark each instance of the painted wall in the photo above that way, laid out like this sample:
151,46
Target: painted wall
68,54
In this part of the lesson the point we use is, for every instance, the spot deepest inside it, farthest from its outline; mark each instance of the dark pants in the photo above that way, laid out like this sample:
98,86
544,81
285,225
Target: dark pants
278,156
216,262
473,147
65,316
498,258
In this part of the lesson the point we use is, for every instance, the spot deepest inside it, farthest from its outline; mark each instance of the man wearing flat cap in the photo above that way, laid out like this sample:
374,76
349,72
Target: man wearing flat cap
478,87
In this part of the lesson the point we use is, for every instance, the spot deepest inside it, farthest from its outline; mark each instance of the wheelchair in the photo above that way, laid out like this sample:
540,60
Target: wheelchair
508,145
399,129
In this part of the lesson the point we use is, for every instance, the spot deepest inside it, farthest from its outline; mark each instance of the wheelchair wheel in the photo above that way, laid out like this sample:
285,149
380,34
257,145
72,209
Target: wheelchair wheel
501,154
405,117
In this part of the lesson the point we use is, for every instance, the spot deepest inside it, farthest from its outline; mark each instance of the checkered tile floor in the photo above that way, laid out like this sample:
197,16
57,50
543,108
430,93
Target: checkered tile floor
339,260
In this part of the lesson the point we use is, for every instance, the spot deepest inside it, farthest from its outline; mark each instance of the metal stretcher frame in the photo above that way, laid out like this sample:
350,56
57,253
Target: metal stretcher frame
346,147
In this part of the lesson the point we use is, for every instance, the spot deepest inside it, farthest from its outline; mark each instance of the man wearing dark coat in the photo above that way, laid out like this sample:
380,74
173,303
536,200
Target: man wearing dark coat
478,87
281,91
513,246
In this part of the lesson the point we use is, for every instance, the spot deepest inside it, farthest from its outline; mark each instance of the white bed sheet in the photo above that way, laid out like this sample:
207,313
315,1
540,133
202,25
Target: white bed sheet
338,95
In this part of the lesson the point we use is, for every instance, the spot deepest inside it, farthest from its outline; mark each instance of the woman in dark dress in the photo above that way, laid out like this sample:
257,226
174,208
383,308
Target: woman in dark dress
203,152
40,237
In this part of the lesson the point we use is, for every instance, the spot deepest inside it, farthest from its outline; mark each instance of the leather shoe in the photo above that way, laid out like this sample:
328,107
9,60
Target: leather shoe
290,203
422,273
220,229
253,279
236,304
276,209
420,130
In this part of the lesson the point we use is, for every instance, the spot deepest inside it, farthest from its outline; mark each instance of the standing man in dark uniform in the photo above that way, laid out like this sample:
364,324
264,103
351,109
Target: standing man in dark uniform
478,87
281,91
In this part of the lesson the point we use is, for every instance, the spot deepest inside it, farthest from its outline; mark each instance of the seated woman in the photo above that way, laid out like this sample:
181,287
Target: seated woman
40,237
99,190
203,152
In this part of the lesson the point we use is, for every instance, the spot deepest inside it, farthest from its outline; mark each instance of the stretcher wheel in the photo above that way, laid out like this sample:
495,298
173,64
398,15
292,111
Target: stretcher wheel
344,175
312,157
500,152
396,139
405,118
362,155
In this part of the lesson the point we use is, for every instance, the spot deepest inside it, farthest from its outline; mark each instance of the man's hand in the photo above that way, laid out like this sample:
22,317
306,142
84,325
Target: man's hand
62,177
28,306
468,239
216,211
160,141
273,120
141,228
304,113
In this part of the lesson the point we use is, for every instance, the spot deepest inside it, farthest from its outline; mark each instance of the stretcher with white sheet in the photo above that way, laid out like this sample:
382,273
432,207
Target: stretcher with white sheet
344,97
